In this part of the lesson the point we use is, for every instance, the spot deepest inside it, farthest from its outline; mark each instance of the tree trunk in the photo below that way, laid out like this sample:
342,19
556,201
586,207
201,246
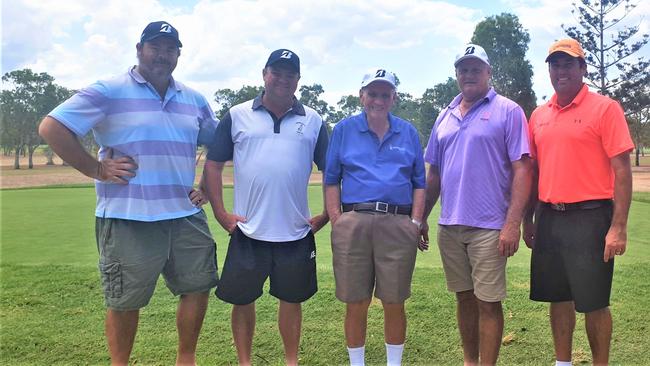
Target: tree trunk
636,157
49,154
30,164
17,159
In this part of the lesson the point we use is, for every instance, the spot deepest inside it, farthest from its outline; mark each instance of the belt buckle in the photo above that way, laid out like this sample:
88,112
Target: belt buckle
558,206
384,206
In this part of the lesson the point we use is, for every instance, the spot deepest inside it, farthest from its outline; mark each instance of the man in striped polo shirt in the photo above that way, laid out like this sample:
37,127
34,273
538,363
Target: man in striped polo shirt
148,216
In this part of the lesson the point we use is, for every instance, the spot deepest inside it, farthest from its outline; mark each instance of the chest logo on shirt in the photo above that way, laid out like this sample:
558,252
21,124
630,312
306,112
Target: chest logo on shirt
398,148
300,127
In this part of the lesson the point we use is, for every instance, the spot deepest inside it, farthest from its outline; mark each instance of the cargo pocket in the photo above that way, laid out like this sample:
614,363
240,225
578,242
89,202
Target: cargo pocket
111,279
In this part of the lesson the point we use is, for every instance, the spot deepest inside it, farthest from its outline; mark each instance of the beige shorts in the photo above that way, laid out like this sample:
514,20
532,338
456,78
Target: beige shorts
374,251
470,257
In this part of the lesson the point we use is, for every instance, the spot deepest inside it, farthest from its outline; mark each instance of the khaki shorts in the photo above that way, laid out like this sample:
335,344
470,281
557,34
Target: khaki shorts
374,251
133,254
470,257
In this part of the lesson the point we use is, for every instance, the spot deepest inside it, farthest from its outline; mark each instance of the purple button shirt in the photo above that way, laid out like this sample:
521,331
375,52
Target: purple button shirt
474,156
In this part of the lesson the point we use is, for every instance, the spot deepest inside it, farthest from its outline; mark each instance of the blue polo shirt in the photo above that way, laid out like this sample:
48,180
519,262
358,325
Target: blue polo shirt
371,170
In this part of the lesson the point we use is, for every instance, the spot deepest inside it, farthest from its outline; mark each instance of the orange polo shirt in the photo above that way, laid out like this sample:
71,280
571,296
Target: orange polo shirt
573,147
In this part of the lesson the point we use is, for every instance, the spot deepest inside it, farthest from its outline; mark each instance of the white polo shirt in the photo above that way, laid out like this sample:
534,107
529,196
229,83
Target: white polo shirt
272,163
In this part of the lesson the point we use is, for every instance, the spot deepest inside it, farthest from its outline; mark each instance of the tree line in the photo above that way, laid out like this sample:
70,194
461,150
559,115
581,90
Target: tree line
609,47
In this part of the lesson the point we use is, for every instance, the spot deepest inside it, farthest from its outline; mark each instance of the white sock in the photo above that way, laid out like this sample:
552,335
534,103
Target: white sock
394,354
562,363
357,356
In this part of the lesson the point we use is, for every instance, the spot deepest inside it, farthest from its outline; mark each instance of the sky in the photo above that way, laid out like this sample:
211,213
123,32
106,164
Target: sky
226,43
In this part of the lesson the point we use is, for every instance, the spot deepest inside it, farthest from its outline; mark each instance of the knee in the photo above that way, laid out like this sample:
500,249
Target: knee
492,309
357,307
600,313
465,297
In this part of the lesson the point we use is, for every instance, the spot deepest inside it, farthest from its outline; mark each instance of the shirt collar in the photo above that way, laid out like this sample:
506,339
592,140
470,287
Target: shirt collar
363,123
577,100
488,97
296,108
141,80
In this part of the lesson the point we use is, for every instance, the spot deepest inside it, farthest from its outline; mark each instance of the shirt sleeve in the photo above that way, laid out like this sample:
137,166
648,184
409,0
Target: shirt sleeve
431,153
222,147
207,124
419,173
333,161
531,136
84,109
615,133
320,152
517,134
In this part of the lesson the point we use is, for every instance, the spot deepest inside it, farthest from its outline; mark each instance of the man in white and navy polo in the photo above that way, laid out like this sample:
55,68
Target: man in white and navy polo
272,141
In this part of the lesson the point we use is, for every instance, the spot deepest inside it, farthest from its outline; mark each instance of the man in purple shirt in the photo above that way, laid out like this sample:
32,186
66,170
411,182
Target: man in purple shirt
479,166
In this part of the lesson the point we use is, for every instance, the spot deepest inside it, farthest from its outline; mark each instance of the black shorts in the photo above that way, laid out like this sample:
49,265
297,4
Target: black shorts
567,260
249,262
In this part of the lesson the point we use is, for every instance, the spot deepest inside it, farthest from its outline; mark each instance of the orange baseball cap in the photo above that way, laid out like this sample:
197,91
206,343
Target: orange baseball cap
569,46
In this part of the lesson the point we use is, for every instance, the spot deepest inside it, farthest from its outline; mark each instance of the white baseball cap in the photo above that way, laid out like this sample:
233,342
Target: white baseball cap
472,51
378,74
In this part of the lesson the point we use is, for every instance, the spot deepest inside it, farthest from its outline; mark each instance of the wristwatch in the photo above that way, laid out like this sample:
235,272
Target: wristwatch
418,223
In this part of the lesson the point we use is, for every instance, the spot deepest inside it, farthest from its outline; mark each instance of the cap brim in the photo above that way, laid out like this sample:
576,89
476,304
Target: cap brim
284,62
572,54
178,41
378,80
466,57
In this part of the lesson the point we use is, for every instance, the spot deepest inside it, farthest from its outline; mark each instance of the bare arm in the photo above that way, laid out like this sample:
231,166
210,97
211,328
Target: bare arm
317,222
431,195
529,225
333,202
519,197
213,183
616,239
65,144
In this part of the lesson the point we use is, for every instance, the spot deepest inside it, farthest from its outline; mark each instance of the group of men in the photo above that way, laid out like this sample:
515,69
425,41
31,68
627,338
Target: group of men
565,177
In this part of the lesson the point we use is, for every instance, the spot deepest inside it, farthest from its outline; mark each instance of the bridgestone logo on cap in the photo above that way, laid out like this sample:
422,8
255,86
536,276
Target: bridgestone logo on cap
165,28
286,54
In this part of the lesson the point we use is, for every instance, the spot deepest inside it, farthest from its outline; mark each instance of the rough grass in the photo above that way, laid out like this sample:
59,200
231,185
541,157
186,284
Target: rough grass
51,306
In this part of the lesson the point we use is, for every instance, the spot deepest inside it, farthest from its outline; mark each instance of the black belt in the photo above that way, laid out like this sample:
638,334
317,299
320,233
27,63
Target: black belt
584,205
382,207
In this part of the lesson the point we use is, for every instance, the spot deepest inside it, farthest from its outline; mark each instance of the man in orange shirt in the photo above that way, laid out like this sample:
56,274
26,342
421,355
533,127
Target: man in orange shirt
581,144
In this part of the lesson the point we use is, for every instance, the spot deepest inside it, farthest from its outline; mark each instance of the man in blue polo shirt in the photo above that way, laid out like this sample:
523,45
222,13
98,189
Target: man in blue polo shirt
148,216
375,198
478,151
272,141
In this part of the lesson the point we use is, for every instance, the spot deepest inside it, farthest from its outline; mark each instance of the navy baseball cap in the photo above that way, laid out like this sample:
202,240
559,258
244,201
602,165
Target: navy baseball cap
159,29
284,55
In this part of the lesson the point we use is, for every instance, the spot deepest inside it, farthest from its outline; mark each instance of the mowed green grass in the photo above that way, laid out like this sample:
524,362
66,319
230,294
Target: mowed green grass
52,312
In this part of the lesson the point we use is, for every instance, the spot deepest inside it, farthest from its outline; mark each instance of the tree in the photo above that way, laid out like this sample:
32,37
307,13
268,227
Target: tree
433,101
506,43
310,96
227,98
609,45
346,106
636,103
32,97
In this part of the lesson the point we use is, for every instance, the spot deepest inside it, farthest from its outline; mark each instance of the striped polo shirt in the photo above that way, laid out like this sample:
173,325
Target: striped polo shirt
128,118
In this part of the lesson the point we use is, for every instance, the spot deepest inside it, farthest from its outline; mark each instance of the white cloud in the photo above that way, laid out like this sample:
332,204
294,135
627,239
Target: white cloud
226,42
